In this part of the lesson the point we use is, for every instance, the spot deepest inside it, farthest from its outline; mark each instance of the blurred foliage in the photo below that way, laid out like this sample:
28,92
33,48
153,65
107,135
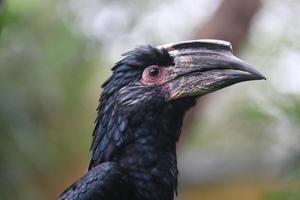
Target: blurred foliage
43,79
282,195
292,108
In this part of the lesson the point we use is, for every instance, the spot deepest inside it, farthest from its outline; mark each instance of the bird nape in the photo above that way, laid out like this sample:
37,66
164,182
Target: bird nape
140,115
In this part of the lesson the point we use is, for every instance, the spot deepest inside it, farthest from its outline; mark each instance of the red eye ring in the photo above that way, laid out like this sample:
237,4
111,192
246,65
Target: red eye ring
153,75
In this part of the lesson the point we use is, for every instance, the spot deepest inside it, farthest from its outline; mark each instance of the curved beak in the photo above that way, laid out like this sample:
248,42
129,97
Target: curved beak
204,66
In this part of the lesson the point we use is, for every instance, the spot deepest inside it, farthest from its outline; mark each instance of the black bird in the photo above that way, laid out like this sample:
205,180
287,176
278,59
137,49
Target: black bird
140,116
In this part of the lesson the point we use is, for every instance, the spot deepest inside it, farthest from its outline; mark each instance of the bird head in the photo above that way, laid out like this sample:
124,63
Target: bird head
176,71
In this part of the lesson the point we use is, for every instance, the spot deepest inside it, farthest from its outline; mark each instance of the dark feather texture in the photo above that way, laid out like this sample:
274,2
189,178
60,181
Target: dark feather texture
101,182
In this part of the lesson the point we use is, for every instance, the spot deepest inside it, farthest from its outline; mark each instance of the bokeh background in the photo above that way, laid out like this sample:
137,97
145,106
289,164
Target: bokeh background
242,142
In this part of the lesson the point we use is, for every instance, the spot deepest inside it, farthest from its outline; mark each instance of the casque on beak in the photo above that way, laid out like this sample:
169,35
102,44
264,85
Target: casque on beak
204,66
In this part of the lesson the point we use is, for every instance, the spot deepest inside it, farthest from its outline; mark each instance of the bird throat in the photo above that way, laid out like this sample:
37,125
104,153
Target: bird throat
154,152
146,149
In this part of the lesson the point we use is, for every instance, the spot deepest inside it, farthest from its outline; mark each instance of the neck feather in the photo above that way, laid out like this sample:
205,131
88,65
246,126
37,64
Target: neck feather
145,146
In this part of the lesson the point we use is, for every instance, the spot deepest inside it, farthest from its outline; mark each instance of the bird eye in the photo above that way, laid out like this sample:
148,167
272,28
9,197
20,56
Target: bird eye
154,72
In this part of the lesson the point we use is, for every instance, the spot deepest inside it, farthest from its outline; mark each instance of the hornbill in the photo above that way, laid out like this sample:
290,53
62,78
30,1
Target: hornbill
140,115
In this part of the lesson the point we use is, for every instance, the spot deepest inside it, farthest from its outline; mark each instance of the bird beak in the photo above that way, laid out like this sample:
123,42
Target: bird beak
204,66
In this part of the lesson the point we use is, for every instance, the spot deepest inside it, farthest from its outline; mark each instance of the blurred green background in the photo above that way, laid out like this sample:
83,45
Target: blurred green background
55,54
